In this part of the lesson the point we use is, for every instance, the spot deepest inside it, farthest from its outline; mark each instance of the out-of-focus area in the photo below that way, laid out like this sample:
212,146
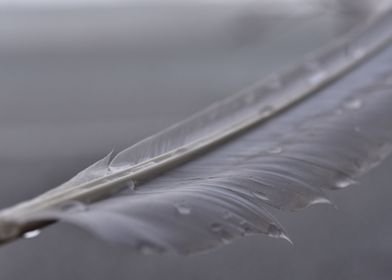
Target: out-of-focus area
78,78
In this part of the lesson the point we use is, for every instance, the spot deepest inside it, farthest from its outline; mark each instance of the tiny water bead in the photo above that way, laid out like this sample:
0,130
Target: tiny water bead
357,53
266,111
183,208
344,183
317,77
31,234
275,232
261,196
353,104
275,150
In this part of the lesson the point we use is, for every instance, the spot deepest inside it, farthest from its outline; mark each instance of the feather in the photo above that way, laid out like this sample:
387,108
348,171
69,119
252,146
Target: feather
282,143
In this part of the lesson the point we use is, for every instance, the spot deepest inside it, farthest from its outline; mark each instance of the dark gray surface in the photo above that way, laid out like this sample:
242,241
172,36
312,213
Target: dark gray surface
62,108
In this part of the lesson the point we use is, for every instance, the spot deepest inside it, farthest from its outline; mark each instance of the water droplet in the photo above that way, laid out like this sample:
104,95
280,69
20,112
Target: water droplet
32,234
344,183
261,196
275,150
357,53
266,111
320,200
183,208
276,232
317,78
353,104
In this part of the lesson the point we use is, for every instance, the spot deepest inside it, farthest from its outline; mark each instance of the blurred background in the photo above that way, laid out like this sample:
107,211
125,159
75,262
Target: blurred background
78,78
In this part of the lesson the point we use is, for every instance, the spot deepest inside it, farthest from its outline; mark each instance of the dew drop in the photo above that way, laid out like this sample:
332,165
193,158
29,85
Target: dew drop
275,232
353,104
276,150
317,78
266,111
344,183
320,200
261,196
183,208
31,234
357,53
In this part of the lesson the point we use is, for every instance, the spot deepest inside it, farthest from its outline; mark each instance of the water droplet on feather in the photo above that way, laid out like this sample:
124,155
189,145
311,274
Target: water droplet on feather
320,200
344,183
276,150
266,111
183,208
317,78
276,232
357,53
31,234
261,196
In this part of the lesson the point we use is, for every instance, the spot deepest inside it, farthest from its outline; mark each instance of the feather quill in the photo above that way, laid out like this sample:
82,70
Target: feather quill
212,178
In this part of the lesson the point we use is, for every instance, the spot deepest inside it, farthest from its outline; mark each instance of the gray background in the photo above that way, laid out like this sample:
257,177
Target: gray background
76,83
